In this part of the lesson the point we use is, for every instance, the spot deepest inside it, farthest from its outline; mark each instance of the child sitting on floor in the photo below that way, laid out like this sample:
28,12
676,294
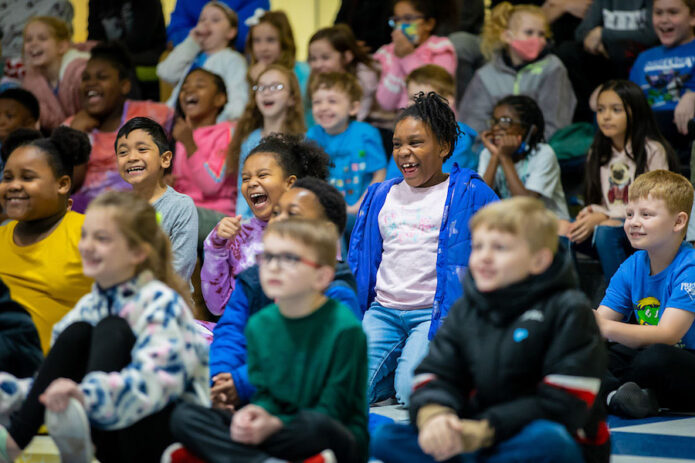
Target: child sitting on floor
311,397
518,362
410,245
309,198
144,157
269,170
355,147
124,355
105,108
39,260
652,358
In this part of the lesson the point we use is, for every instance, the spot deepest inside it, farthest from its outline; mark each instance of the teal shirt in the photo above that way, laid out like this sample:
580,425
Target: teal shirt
317,362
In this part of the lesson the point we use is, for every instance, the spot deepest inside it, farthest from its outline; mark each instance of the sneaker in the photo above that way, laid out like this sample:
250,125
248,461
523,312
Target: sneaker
70,432
177,453
631,401
327,456
13,391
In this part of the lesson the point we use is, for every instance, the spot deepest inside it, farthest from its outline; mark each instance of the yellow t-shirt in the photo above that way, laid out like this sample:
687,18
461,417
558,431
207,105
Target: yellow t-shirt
45,277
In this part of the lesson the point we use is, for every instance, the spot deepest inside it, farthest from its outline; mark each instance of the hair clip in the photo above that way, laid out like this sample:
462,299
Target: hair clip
254,19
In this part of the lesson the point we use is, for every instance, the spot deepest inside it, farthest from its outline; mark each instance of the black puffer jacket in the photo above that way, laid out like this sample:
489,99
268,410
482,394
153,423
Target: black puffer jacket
526,352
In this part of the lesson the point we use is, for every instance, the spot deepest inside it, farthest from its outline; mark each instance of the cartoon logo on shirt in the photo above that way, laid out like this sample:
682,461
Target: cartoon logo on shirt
648,311
666,86
619,182
689,289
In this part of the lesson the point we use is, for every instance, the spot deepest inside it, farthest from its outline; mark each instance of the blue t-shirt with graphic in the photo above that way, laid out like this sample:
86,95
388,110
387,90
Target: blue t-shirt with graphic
665,74
463,154
633,290
357,153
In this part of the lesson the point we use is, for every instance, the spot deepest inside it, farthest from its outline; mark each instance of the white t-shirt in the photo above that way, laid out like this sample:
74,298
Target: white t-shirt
539,172
409,222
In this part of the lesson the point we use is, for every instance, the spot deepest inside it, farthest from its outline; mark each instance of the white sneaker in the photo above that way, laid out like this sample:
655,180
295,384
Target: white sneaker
70,432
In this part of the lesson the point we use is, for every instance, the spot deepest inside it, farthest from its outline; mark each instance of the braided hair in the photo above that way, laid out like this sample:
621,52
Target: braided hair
530,115
434,111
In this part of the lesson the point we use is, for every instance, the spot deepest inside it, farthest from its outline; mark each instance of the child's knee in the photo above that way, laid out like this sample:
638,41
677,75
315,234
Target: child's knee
558,444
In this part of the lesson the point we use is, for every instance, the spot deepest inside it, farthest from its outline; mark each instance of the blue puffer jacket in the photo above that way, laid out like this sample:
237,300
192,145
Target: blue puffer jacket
467,193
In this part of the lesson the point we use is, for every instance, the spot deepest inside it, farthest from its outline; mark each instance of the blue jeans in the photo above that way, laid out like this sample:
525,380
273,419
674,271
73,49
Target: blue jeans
396,344
541,441
613,247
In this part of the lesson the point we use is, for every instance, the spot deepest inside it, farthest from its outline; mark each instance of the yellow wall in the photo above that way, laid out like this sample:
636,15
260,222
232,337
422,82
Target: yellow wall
306,16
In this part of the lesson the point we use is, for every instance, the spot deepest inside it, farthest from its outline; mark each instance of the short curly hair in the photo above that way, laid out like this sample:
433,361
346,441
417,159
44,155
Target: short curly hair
296,155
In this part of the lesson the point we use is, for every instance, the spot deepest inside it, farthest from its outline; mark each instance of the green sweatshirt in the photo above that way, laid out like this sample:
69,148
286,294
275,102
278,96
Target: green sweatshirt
317,363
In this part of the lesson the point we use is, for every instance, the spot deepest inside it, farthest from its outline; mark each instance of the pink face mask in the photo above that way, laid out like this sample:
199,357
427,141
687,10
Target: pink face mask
528,49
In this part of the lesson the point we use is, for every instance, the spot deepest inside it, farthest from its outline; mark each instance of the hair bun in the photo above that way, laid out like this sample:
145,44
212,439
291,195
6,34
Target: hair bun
16,139
72,145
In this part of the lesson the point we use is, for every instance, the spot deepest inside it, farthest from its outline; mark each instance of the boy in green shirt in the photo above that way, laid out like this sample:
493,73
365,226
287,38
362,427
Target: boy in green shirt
307,358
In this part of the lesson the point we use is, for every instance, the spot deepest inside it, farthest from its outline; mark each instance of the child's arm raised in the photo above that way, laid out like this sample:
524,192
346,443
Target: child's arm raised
174,66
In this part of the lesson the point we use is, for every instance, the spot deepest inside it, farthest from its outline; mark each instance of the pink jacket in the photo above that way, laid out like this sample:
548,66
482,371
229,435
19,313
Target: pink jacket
391,93
203,175
225,259
55,108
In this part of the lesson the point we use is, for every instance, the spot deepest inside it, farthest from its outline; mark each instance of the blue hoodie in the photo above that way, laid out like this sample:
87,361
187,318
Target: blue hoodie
466,195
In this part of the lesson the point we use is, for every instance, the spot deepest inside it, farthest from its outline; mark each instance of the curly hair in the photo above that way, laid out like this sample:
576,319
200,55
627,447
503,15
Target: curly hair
296,155
434,111
500,20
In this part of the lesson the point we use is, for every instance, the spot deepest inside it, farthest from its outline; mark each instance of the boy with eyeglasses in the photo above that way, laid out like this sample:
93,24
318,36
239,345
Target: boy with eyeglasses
307,357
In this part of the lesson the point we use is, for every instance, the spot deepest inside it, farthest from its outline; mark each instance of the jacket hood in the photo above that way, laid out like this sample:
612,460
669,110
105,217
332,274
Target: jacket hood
505,304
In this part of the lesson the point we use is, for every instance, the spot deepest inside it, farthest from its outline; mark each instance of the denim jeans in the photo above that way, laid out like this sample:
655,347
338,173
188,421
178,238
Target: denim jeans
396,344
613,247
541,441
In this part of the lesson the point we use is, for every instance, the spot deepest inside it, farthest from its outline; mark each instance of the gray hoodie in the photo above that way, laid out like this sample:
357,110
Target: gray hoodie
544,80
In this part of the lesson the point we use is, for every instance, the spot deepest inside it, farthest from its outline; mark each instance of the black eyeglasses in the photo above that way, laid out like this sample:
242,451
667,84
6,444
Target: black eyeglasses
285,260
272,88
393,20
503,122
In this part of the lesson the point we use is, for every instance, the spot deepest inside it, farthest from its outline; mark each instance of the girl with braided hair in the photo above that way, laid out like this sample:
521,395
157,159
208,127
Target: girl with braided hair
411,243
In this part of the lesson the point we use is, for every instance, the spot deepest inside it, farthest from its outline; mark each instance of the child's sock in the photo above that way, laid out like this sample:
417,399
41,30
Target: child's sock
631,401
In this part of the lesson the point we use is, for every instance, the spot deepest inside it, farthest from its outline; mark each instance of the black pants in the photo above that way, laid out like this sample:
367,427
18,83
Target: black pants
81,349
205,432
667,370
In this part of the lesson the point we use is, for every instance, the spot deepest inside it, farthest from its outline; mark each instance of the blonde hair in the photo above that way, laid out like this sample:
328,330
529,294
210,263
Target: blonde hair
137,220
525,217
61,30
231,16
500,20
341,81
252,118
436,77
674,189
288,50
318,235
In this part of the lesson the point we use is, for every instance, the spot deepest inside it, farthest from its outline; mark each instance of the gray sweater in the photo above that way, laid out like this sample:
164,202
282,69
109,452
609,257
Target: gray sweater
544,80
179,220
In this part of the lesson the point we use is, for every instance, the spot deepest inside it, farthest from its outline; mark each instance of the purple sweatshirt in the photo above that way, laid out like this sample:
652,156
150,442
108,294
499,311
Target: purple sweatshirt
225,259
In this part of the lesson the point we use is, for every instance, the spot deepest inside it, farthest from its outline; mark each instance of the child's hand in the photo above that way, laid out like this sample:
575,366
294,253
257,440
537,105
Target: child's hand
488,141
256,70
440,437
253,424
198,35
223,393
583,227
229,227
593,40
508,145
84,122
402,46
58,394
182,130
684,112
